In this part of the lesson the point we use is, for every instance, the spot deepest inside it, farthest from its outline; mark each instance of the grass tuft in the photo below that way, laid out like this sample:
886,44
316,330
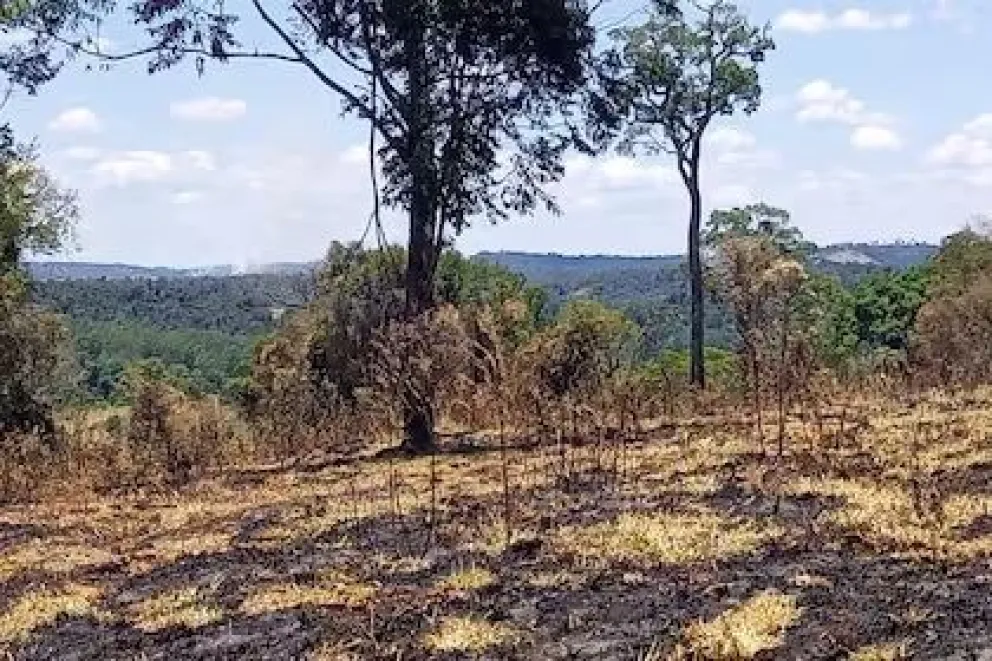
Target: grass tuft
468,634
755,626
330,589
189,607
676,539
881,652
467,580
43,607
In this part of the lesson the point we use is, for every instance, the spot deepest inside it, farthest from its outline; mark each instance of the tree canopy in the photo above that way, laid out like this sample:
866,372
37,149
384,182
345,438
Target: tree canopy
664,83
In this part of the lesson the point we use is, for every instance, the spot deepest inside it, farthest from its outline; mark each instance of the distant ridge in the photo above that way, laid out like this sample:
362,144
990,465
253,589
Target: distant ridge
539,267
551,266
97,271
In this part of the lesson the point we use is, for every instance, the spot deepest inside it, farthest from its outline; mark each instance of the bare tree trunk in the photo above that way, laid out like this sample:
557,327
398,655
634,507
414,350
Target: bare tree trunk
418,423
697,368
782,367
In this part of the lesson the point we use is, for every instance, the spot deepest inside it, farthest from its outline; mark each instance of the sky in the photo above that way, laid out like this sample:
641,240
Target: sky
876,125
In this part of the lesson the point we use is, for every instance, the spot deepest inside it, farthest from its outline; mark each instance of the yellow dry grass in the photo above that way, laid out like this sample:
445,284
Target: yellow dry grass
334,651
468,634
330,589
42,607
881,652
676,539
190,607
52,556
467,580
884,515
757,625
167,550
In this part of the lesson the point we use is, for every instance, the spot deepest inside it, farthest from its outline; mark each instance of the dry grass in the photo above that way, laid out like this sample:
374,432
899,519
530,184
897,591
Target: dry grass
332,651
881,652
42,607
677,539
467,580
676,505
329,589
190,607
757,625
884,515
468,634
54,557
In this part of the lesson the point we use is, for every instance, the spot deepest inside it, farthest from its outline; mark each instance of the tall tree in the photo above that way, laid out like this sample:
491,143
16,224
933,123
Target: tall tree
35,217
465,99
758,220
666,80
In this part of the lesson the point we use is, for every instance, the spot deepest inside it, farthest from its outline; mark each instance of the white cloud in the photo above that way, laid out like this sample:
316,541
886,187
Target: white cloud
797,20
186,197
620,173
726,138
966,155
862,19
814,21
871,137
144,166
209,109
822,101
128,167
198,160
76,120
734,147
730,195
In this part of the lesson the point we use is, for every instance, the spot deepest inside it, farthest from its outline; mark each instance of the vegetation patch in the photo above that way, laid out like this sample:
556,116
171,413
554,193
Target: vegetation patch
42,607
744,631
888,515
329,589
468,634
467,580
677,539
51,557
190,607
881,652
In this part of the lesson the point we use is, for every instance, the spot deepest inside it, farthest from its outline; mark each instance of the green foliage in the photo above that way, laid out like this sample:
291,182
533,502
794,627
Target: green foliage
886,305
963,258
36,216
453,145
758,220
235,305
31,62
670,76
36,367
191,360
722,366
829,310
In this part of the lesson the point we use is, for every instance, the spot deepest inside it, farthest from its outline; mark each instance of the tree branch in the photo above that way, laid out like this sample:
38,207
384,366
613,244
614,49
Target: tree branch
363,109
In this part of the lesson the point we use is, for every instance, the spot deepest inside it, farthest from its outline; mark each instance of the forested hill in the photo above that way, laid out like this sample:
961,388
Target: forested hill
95,271
618,279
203,323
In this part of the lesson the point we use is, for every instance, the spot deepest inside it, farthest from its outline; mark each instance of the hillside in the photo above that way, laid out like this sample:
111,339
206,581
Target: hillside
629,279
204,322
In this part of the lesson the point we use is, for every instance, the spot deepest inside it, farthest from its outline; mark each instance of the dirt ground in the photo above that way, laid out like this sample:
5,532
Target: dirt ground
872,541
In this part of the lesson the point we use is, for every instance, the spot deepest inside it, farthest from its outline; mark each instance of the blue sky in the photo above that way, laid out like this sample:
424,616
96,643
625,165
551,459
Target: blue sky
876,125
